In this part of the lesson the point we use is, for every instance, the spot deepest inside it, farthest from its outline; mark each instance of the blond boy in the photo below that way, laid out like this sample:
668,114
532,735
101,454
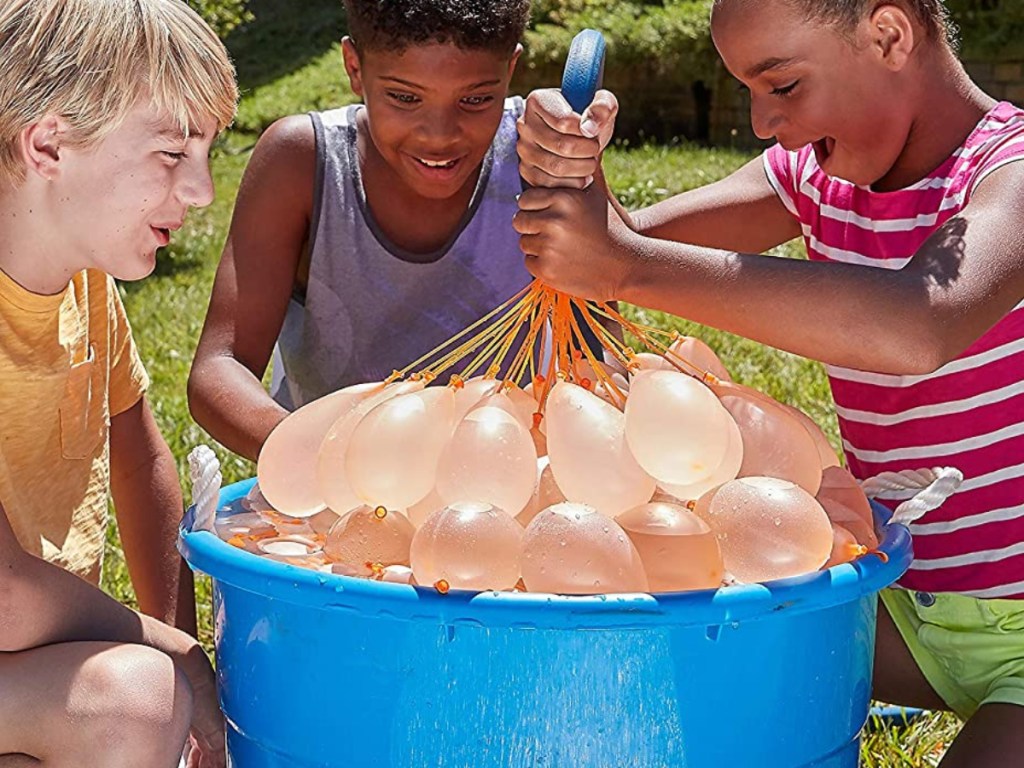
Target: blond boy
107,112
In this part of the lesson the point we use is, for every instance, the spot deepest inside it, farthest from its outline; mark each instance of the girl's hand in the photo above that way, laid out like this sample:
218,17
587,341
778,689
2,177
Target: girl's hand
557,147
575,241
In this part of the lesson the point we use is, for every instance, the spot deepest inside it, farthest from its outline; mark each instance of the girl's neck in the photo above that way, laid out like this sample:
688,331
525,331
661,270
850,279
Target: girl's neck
947,108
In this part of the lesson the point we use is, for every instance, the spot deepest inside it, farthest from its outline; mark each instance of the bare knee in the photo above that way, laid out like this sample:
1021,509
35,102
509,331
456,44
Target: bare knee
135,707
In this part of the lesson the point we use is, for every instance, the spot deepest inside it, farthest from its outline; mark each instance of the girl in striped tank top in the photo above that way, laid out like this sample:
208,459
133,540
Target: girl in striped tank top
902,178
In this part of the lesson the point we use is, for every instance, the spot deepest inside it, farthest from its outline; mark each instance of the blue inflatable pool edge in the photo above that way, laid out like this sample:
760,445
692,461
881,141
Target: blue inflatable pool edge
406,677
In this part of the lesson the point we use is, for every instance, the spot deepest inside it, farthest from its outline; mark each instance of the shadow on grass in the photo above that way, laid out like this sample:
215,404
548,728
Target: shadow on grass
171,261
285,36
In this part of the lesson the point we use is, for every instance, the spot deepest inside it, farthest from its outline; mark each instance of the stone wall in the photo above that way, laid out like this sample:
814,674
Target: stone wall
1002,80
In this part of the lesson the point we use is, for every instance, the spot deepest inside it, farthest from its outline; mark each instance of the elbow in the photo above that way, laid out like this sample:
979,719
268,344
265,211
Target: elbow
925,352
196,391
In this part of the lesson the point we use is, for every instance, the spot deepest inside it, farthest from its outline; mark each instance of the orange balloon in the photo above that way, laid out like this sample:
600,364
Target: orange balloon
421,510
775,444
846,504
767,528
394,449
246,529
825,450
323,521
572,549
369,536
590,458
471,394
287,463
331,474
648,361
692,353
676,428
470,545
723,473
490,459
844,547
546,494
678,549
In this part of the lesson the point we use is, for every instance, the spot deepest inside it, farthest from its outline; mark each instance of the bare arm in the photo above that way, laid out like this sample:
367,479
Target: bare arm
740,213
966,277
252,289
147,499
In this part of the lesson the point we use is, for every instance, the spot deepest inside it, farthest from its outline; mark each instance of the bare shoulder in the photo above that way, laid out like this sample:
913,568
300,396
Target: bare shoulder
1001,189
283,163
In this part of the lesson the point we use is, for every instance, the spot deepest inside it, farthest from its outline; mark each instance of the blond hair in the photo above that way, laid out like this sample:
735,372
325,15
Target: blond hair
90,61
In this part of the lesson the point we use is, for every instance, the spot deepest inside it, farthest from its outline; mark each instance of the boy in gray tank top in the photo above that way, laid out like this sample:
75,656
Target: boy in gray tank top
366,236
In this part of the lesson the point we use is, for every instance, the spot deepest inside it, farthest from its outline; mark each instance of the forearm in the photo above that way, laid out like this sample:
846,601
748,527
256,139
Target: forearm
148,503
740,213
230,403
857,317
42,604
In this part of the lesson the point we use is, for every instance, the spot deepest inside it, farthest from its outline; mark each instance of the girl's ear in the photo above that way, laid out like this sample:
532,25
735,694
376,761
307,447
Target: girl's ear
352,65
40,146
893,35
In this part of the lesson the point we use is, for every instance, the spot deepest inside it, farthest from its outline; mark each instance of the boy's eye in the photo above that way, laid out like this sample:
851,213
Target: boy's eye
785,90
477,101
174,155
402,98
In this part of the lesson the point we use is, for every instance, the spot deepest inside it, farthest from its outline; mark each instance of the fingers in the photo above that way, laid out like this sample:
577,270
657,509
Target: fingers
556,148
550,159
538,199
548,106
598,120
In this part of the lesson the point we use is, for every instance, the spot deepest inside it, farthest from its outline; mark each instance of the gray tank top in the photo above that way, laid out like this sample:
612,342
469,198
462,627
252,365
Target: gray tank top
370,307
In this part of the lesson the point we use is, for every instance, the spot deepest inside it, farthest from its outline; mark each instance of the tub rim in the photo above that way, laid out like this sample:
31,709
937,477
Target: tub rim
844,583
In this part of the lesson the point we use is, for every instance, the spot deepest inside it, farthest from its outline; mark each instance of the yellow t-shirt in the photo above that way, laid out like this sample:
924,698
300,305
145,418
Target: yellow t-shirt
67,364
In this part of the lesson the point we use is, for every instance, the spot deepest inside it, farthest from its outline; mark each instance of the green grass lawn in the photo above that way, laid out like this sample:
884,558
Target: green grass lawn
288,65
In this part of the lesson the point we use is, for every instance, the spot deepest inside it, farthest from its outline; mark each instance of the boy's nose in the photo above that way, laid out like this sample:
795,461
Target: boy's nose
196,187
440,126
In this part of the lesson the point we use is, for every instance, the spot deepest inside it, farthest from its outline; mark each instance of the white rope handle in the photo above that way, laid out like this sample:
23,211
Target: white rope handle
204,469
933,487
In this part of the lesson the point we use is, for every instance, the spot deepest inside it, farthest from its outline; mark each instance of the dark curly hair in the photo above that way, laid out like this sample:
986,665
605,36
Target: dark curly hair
845,14
395,25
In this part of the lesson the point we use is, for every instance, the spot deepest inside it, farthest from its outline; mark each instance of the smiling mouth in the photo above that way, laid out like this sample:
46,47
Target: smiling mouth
437,164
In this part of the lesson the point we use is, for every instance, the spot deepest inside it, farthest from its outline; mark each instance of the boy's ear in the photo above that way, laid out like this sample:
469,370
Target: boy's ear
40,146
352,65
514,60
893,35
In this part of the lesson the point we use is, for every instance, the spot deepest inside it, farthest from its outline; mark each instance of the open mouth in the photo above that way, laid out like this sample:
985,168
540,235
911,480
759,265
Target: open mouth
823,149
163,235
437,163
438,168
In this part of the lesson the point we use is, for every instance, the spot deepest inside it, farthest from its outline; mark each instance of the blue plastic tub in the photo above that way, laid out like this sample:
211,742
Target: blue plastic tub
322,670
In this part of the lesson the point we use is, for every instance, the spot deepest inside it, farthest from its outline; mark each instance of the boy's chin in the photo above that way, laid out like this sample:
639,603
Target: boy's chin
140,267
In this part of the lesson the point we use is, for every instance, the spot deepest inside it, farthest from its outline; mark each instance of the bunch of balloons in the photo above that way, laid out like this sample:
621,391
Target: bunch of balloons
601,481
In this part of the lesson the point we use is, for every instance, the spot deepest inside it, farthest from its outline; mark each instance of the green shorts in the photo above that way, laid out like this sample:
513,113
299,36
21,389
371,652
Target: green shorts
971,650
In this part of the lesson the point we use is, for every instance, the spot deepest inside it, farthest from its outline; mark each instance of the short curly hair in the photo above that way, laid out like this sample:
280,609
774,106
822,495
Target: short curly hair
496,25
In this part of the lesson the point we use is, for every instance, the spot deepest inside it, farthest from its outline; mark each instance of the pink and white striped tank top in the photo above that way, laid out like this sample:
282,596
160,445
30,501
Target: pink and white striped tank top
968,414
